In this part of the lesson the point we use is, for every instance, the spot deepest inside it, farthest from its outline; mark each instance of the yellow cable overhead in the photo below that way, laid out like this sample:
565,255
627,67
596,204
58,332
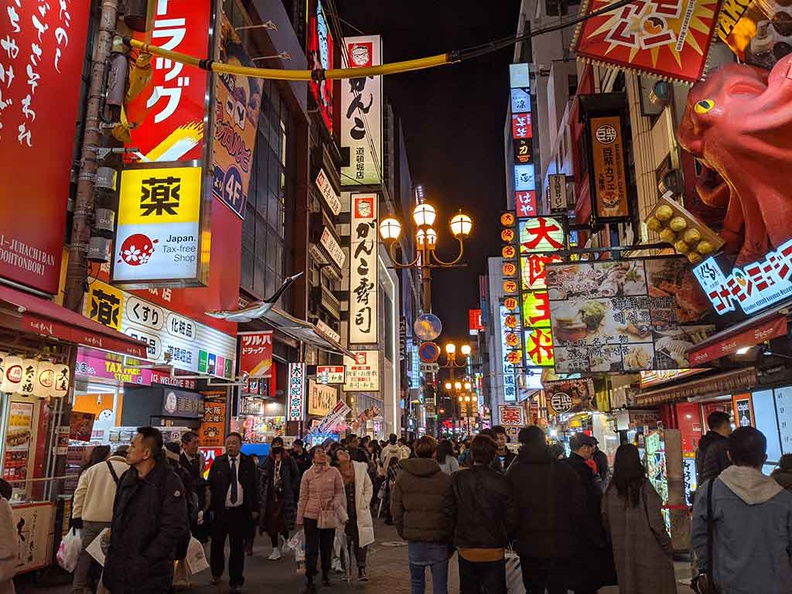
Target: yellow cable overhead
293,75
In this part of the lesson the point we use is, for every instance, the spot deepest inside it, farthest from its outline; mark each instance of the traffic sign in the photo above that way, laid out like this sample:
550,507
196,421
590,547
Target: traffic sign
428,352
429,368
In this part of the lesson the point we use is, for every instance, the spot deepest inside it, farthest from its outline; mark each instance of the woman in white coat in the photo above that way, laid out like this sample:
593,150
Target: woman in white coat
8,541
359,490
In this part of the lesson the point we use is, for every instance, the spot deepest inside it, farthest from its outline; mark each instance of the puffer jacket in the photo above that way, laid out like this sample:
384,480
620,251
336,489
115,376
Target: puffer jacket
480,506
321,487
418,501
392,450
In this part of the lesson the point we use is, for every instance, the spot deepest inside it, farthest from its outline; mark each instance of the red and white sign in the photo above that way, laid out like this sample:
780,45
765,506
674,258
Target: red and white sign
511,416
320,57
525,203
474,321
362,372
175,101
729,345
295,401
255,353
330,374
42,47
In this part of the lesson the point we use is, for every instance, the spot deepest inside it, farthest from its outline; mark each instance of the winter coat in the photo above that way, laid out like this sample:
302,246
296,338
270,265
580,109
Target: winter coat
418,500
289,488
393,450
711,458
549,499
641,546
752,540
9,547
783,476
364,491
506,463
480,507
303,461
149,525
96,489
321,487
450,466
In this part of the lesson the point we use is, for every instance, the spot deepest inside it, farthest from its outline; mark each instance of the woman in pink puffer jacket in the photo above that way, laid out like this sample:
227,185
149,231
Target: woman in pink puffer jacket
322,488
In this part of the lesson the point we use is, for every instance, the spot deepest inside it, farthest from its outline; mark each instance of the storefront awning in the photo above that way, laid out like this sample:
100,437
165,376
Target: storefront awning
739,380
744,335
45,318
304,332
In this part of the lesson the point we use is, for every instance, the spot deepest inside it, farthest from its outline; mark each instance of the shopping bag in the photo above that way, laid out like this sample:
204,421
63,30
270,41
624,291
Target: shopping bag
297,544
514,579
181,575
69,550
99,545
196,557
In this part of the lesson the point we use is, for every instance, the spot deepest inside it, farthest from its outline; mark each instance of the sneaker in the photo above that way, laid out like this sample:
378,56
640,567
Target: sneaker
362,576
282,544
336,566
275,555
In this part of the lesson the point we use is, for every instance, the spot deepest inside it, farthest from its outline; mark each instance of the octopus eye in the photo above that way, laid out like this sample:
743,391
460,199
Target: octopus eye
704,106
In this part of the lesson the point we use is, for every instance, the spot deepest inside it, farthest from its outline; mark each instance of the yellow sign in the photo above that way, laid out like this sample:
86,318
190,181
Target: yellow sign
160,195
104,304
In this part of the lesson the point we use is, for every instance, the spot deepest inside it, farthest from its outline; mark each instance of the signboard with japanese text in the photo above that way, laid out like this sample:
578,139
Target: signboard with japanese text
570,396
362,372
182,404
255,353
111,366
524,178
334,418
662,376
41,64
520,100
557,193
670,39
361,113
525,203
541,234
329,195
475,325
522,127
236,112
333,248
752,287
212,429
295,394
320,50
511,416
191,346
511,345
175,106
158,239
330,374
363,270
609,184
33,523
624,316
321,398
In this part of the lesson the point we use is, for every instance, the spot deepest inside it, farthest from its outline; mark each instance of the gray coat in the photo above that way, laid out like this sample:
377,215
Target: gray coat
641,546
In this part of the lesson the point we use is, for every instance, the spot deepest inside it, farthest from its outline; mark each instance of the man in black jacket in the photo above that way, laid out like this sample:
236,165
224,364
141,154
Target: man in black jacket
711,458
548,496
480,506
234,500
505,456
150,528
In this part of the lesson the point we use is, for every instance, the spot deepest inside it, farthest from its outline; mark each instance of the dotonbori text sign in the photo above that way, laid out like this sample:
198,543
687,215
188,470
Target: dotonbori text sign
361,113
159,228
362,372
363,270
296,392
41,60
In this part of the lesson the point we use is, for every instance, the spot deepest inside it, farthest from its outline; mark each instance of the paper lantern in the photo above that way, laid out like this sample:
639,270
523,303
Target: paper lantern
61,386
29,374
12,375
45,380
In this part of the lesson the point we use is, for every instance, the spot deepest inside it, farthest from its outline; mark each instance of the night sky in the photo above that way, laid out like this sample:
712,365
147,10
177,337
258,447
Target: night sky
453,119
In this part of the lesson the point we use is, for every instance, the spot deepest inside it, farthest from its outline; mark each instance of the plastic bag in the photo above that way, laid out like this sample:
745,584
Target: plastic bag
196,557
297,544
69,550
514,579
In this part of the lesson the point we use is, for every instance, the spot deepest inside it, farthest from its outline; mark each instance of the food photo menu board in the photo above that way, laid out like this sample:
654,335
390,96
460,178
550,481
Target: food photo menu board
18,442
625,315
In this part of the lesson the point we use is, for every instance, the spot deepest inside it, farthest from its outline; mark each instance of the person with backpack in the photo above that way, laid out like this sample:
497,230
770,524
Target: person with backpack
92,512
150,528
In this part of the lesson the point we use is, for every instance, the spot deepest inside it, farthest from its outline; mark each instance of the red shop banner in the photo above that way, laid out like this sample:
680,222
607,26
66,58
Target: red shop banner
730,344
668,38
255,353
42,48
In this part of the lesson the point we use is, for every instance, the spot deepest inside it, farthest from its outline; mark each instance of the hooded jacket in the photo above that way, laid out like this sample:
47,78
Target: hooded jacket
752,541
783,476
711,456
393,450
417,501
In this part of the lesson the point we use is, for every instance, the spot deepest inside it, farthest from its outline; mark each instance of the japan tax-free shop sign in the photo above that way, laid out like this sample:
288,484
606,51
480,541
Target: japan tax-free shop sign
159,228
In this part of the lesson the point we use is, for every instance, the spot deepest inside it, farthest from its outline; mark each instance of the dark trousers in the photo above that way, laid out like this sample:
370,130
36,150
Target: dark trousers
485,577
317,541
233,523
274,538
545,574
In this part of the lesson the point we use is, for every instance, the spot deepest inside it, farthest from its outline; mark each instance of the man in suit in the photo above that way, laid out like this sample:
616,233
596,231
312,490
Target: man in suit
233,501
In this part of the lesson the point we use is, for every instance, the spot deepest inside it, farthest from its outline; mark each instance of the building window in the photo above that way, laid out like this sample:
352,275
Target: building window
266,240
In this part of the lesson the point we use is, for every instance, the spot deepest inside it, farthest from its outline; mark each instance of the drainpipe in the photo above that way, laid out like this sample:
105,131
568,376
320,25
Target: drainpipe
77,272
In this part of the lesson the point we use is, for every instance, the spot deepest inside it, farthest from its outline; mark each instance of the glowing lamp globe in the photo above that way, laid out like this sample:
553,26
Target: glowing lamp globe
461,225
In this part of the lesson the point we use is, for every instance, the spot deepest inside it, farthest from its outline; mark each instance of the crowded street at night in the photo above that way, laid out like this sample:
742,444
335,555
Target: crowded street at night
313,296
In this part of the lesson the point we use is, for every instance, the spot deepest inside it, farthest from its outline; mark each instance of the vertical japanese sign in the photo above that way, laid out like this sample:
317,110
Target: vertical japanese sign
475,324
522,140
558,193
173,128
159,231
296,392
320,57
212,430
361,114
609,184
363,270
255,353
236,113
42,46
540,237
362,372
669,38
511,344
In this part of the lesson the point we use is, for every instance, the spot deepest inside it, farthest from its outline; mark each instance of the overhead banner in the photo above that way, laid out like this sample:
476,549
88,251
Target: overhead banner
363,270
361,114
610,188
320,50
667,39
236,113
362,372
255,353
321,398
572,396
295,395
41,64
624,316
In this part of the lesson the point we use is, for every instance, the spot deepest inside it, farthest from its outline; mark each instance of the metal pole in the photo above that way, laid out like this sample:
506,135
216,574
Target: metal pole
77,272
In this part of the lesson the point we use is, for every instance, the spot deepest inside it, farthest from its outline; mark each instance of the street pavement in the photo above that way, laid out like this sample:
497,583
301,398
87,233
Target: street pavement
387,570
